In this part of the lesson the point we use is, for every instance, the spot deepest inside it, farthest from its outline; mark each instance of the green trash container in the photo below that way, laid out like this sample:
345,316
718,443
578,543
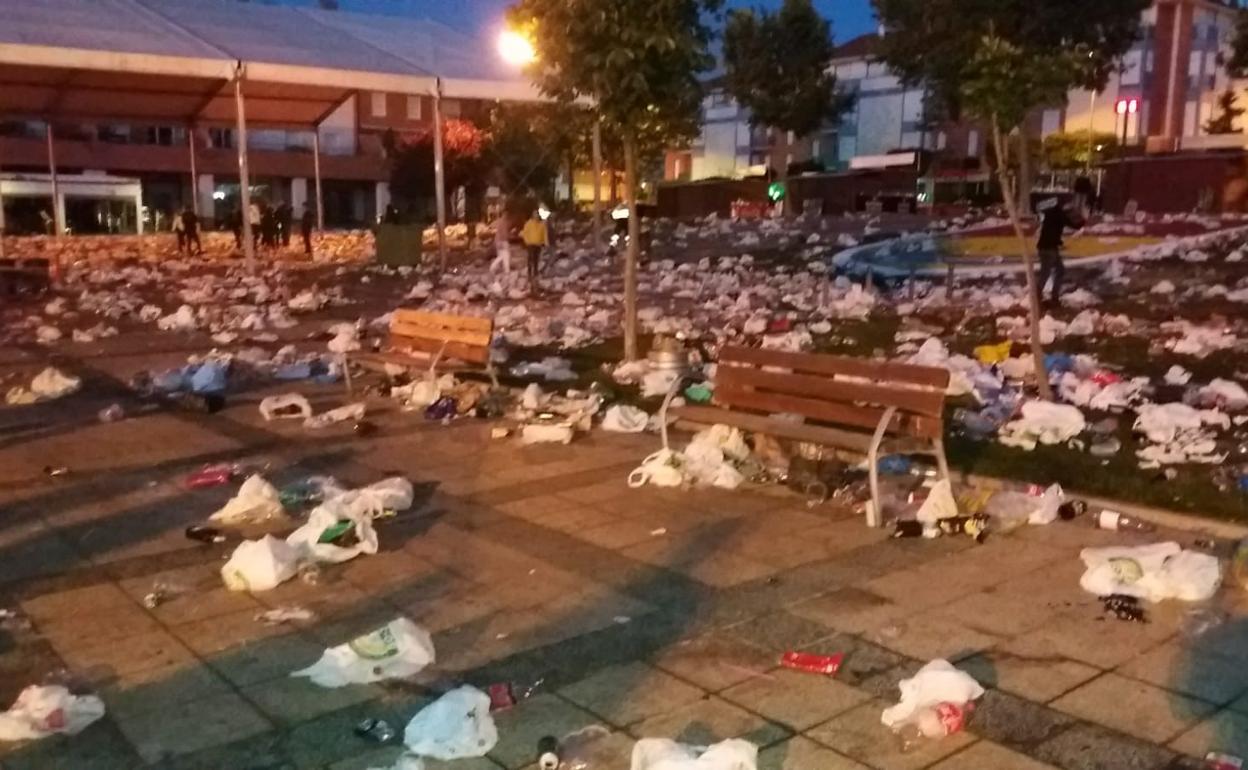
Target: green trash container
399,244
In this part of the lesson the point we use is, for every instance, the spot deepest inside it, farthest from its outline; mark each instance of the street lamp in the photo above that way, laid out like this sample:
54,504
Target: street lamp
515,48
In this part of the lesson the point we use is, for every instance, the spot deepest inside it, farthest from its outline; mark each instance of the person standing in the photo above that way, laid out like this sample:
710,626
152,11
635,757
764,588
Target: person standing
535,239
190,231
306,222
254,217
1054,223
284,215
502,245
236,226
179,229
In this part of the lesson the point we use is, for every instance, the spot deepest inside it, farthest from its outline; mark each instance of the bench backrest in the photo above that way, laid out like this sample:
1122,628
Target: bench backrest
455,336
833,390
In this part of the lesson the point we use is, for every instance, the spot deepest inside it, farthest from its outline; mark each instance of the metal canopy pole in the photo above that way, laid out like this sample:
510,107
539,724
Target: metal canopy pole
439,173
316,172
244,178
58,213
190,144
597,150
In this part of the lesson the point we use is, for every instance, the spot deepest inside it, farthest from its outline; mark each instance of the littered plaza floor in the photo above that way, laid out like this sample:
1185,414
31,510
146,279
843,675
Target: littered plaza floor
650,612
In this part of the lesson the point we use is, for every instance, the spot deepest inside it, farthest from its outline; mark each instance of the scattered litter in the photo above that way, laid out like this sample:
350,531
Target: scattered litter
457,725
281,615
1043,422
256,502
938,682
1124,607
810,662
286,406
209,476
665,754
622,418
113,413
52,383
205,534
397,650
350,412
1153,572
43,710
375,730
546,433
260,565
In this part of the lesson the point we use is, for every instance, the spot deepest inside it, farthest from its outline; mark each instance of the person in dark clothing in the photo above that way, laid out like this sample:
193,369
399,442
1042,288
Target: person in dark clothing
1056,220
306,223
190,231
391,216
236,227
284,215
268,227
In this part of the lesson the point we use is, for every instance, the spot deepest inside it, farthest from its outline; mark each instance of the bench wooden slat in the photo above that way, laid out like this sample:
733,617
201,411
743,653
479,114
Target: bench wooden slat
442,320
758,423
476,354
380,360
465,336
926,402
823,364
865,418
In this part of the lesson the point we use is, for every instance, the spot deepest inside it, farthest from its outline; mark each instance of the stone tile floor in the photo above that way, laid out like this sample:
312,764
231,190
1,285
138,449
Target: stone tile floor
647,612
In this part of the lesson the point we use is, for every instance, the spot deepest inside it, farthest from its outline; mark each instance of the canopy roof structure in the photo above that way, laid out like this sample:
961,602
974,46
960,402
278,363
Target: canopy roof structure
175,60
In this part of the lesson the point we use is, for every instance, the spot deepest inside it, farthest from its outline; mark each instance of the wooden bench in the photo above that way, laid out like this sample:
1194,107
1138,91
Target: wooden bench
438,341
867,407
19,276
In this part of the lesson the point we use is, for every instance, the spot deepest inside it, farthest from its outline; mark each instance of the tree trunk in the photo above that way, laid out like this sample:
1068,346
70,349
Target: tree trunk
571,180
615,185
633,252
1033,291
1024,170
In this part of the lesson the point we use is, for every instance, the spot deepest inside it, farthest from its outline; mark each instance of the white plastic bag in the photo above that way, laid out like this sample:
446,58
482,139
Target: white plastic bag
622,418
52,383
664,754
350,412
42,710
1047,504
1153,572
329,515
546,433
940,504
662,469
456,726
256,501
393,494
276,407
935,683
396,650
260,565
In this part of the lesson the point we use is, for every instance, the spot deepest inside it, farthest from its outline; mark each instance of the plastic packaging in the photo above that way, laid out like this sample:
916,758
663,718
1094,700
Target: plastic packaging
259,565
456,726
815,664
397,650
1113,520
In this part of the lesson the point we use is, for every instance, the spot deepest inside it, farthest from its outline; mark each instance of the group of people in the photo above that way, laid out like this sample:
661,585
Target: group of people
271,226
186,227
534,235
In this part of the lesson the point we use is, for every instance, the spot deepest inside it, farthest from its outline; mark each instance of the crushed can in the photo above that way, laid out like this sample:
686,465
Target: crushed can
376,730
812,663
548,753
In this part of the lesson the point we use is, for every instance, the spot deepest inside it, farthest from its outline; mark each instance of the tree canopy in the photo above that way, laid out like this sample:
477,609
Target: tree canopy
1228,112
778,66
1077,149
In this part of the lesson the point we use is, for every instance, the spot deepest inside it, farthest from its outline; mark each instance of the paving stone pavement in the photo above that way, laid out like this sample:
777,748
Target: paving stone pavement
646,612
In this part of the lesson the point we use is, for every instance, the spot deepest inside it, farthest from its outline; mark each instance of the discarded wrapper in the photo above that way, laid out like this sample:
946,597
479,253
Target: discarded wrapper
815,664
501,696
1216,761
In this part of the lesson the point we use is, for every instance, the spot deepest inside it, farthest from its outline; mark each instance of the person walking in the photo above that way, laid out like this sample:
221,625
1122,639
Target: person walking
535,239
1056,220
502,245
307,221
283,216
190,231
179,229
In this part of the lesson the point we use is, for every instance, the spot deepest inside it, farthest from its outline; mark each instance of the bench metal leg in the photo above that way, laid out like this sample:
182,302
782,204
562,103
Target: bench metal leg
667,401
942,462
875,514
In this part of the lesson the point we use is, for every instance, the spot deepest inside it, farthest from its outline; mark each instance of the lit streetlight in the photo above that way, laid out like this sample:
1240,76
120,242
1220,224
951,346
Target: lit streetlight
515,48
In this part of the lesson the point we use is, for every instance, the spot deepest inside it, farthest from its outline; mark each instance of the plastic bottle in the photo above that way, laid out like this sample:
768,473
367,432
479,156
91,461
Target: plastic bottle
1121,522
548,753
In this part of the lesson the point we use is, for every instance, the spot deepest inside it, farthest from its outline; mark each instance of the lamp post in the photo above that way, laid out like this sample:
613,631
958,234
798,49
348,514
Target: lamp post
1126,108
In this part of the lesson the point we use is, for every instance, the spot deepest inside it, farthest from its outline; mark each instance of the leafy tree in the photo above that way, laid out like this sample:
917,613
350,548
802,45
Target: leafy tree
411,167
639,63
778,66
1077,149
1228,112
1237,64
998,60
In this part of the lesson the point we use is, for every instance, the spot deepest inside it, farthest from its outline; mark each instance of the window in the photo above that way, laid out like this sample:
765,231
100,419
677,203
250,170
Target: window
677,167
450,108
814,149
221,138
972,143
377,105
792,138
942,140
414,108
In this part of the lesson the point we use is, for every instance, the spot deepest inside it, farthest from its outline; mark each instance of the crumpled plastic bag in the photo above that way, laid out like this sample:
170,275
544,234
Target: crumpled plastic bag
940,503
658,382
1163,422
256,501
1047,504
181,320
546,433
391,494
1043,422
397,650
662,469
43,710
260,565
52,383
209,377
328,521
665,754
935,683
341,414
281,407
1153,572
456,726
622,418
